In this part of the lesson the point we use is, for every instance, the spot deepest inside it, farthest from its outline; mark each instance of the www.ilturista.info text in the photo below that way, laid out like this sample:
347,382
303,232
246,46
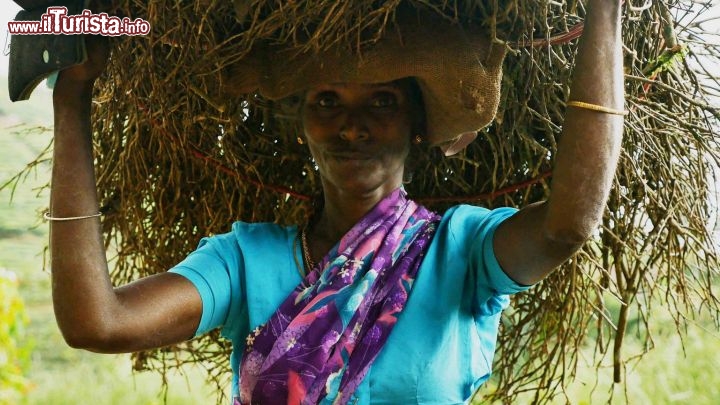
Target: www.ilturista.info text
56,21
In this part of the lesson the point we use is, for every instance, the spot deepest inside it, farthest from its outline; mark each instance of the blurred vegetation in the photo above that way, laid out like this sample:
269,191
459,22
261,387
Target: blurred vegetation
14,349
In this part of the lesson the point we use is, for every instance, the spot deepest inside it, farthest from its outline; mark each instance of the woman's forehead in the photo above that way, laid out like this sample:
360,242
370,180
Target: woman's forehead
359,86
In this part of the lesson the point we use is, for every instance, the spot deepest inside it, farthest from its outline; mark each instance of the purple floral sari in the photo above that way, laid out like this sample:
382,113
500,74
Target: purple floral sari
320,343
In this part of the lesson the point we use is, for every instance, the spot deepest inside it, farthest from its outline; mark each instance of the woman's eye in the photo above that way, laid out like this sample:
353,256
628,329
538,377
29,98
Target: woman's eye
327,101
384,101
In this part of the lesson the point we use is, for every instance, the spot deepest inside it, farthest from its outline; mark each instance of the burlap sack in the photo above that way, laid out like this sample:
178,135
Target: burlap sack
458,68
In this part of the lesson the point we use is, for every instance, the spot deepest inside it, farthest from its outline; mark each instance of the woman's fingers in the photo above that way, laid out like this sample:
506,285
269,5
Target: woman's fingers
98,51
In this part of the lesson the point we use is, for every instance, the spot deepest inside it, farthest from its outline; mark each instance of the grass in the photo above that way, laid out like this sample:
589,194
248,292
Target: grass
60,375
674,372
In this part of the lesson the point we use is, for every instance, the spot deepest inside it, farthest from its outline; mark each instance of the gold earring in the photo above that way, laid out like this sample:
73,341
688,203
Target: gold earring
418,139
300,140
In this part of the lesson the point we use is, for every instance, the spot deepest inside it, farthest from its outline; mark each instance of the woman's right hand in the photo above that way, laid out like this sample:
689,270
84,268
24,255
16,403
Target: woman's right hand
152,312
98,50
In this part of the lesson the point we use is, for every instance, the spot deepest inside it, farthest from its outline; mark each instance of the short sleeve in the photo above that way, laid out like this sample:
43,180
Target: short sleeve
475,227
215,268
498,280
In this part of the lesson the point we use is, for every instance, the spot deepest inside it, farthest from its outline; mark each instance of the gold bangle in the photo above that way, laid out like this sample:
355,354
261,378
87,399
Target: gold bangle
595,107
47,217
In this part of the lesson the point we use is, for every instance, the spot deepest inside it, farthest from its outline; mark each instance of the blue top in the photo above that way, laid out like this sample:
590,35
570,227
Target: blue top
442,346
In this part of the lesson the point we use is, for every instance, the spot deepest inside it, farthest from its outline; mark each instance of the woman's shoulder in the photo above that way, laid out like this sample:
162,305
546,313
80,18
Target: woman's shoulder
469,217
240,231
241,228
243,236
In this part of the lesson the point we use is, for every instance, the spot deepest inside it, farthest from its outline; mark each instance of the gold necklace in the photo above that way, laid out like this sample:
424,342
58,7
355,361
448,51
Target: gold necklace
306,250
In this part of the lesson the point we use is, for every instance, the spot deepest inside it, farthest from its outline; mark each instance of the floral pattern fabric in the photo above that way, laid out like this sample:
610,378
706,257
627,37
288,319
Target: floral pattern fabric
319,345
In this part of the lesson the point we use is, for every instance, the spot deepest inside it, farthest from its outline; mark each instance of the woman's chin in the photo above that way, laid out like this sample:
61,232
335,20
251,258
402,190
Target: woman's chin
361,176
361,184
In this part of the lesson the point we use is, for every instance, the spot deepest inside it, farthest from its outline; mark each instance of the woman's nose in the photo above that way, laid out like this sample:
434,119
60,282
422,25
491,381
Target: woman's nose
355,127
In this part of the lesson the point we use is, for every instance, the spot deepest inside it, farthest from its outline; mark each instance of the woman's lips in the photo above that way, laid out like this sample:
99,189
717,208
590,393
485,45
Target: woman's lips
351,155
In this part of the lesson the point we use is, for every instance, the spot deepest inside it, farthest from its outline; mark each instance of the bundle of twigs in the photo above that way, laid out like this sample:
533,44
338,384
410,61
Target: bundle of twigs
178,159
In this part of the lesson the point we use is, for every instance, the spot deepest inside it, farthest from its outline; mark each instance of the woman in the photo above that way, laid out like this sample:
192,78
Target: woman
387,301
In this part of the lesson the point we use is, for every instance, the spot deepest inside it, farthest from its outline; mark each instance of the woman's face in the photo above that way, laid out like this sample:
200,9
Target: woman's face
359,134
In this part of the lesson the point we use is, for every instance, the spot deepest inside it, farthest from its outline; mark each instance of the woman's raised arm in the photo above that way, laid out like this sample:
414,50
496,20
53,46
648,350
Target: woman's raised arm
91,313
542,236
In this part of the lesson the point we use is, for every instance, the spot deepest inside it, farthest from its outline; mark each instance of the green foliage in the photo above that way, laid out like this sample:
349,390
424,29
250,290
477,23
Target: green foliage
673,369
14,355
669,58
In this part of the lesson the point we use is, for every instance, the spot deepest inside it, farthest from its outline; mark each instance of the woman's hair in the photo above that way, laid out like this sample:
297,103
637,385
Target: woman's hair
418,126
412,90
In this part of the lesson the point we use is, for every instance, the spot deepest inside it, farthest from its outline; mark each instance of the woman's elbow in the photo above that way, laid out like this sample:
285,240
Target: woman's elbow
574,237
97,337
570,236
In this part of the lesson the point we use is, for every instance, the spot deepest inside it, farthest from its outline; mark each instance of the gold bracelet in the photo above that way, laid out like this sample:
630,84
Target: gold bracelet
47,217
595,107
